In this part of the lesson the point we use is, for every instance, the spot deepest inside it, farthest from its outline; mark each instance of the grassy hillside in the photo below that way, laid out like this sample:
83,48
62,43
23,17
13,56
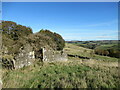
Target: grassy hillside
77,50
102,47
74,73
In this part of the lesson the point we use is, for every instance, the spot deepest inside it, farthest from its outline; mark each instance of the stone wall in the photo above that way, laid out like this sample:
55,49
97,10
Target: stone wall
51,55
25,57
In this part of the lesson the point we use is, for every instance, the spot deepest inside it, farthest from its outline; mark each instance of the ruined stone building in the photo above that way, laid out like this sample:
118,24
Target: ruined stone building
21,47
51,55
27,56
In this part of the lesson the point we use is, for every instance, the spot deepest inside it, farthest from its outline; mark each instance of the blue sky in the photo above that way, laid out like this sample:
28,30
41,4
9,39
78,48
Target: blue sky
74,21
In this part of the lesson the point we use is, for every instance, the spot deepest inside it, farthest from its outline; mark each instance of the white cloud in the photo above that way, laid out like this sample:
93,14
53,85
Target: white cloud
107,37
102,24
90,37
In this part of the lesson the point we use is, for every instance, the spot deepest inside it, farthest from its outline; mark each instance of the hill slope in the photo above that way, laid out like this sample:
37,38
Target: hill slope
74,73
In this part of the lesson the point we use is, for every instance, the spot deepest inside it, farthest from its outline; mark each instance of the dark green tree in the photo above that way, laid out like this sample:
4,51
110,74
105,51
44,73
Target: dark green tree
60,42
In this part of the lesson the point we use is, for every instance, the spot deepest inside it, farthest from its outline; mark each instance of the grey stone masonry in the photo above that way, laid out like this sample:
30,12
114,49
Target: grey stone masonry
25,57
51,55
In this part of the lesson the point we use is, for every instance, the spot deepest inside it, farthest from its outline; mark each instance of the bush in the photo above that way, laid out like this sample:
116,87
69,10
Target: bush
16,36
15,31
112,51
55,37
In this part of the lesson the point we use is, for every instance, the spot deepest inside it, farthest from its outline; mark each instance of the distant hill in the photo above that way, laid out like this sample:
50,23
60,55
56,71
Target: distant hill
101,47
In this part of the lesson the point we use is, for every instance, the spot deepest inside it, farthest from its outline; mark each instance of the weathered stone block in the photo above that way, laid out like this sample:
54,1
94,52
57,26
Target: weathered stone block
25,57
51,55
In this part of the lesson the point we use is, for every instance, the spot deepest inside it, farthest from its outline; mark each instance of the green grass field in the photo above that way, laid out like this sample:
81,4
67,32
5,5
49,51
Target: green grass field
74,73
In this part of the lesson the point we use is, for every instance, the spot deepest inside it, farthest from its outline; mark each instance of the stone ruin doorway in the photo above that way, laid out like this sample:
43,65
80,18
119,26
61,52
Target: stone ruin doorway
39,54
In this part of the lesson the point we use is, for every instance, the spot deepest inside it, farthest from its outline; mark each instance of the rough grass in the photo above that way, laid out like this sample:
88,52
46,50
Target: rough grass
74,73
77,50
70,74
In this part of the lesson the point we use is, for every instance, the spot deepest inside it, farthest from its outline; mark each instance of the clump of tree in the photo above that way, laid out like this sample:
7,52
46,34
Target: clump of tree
112,51
16,36
13,35
56,38
15,31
